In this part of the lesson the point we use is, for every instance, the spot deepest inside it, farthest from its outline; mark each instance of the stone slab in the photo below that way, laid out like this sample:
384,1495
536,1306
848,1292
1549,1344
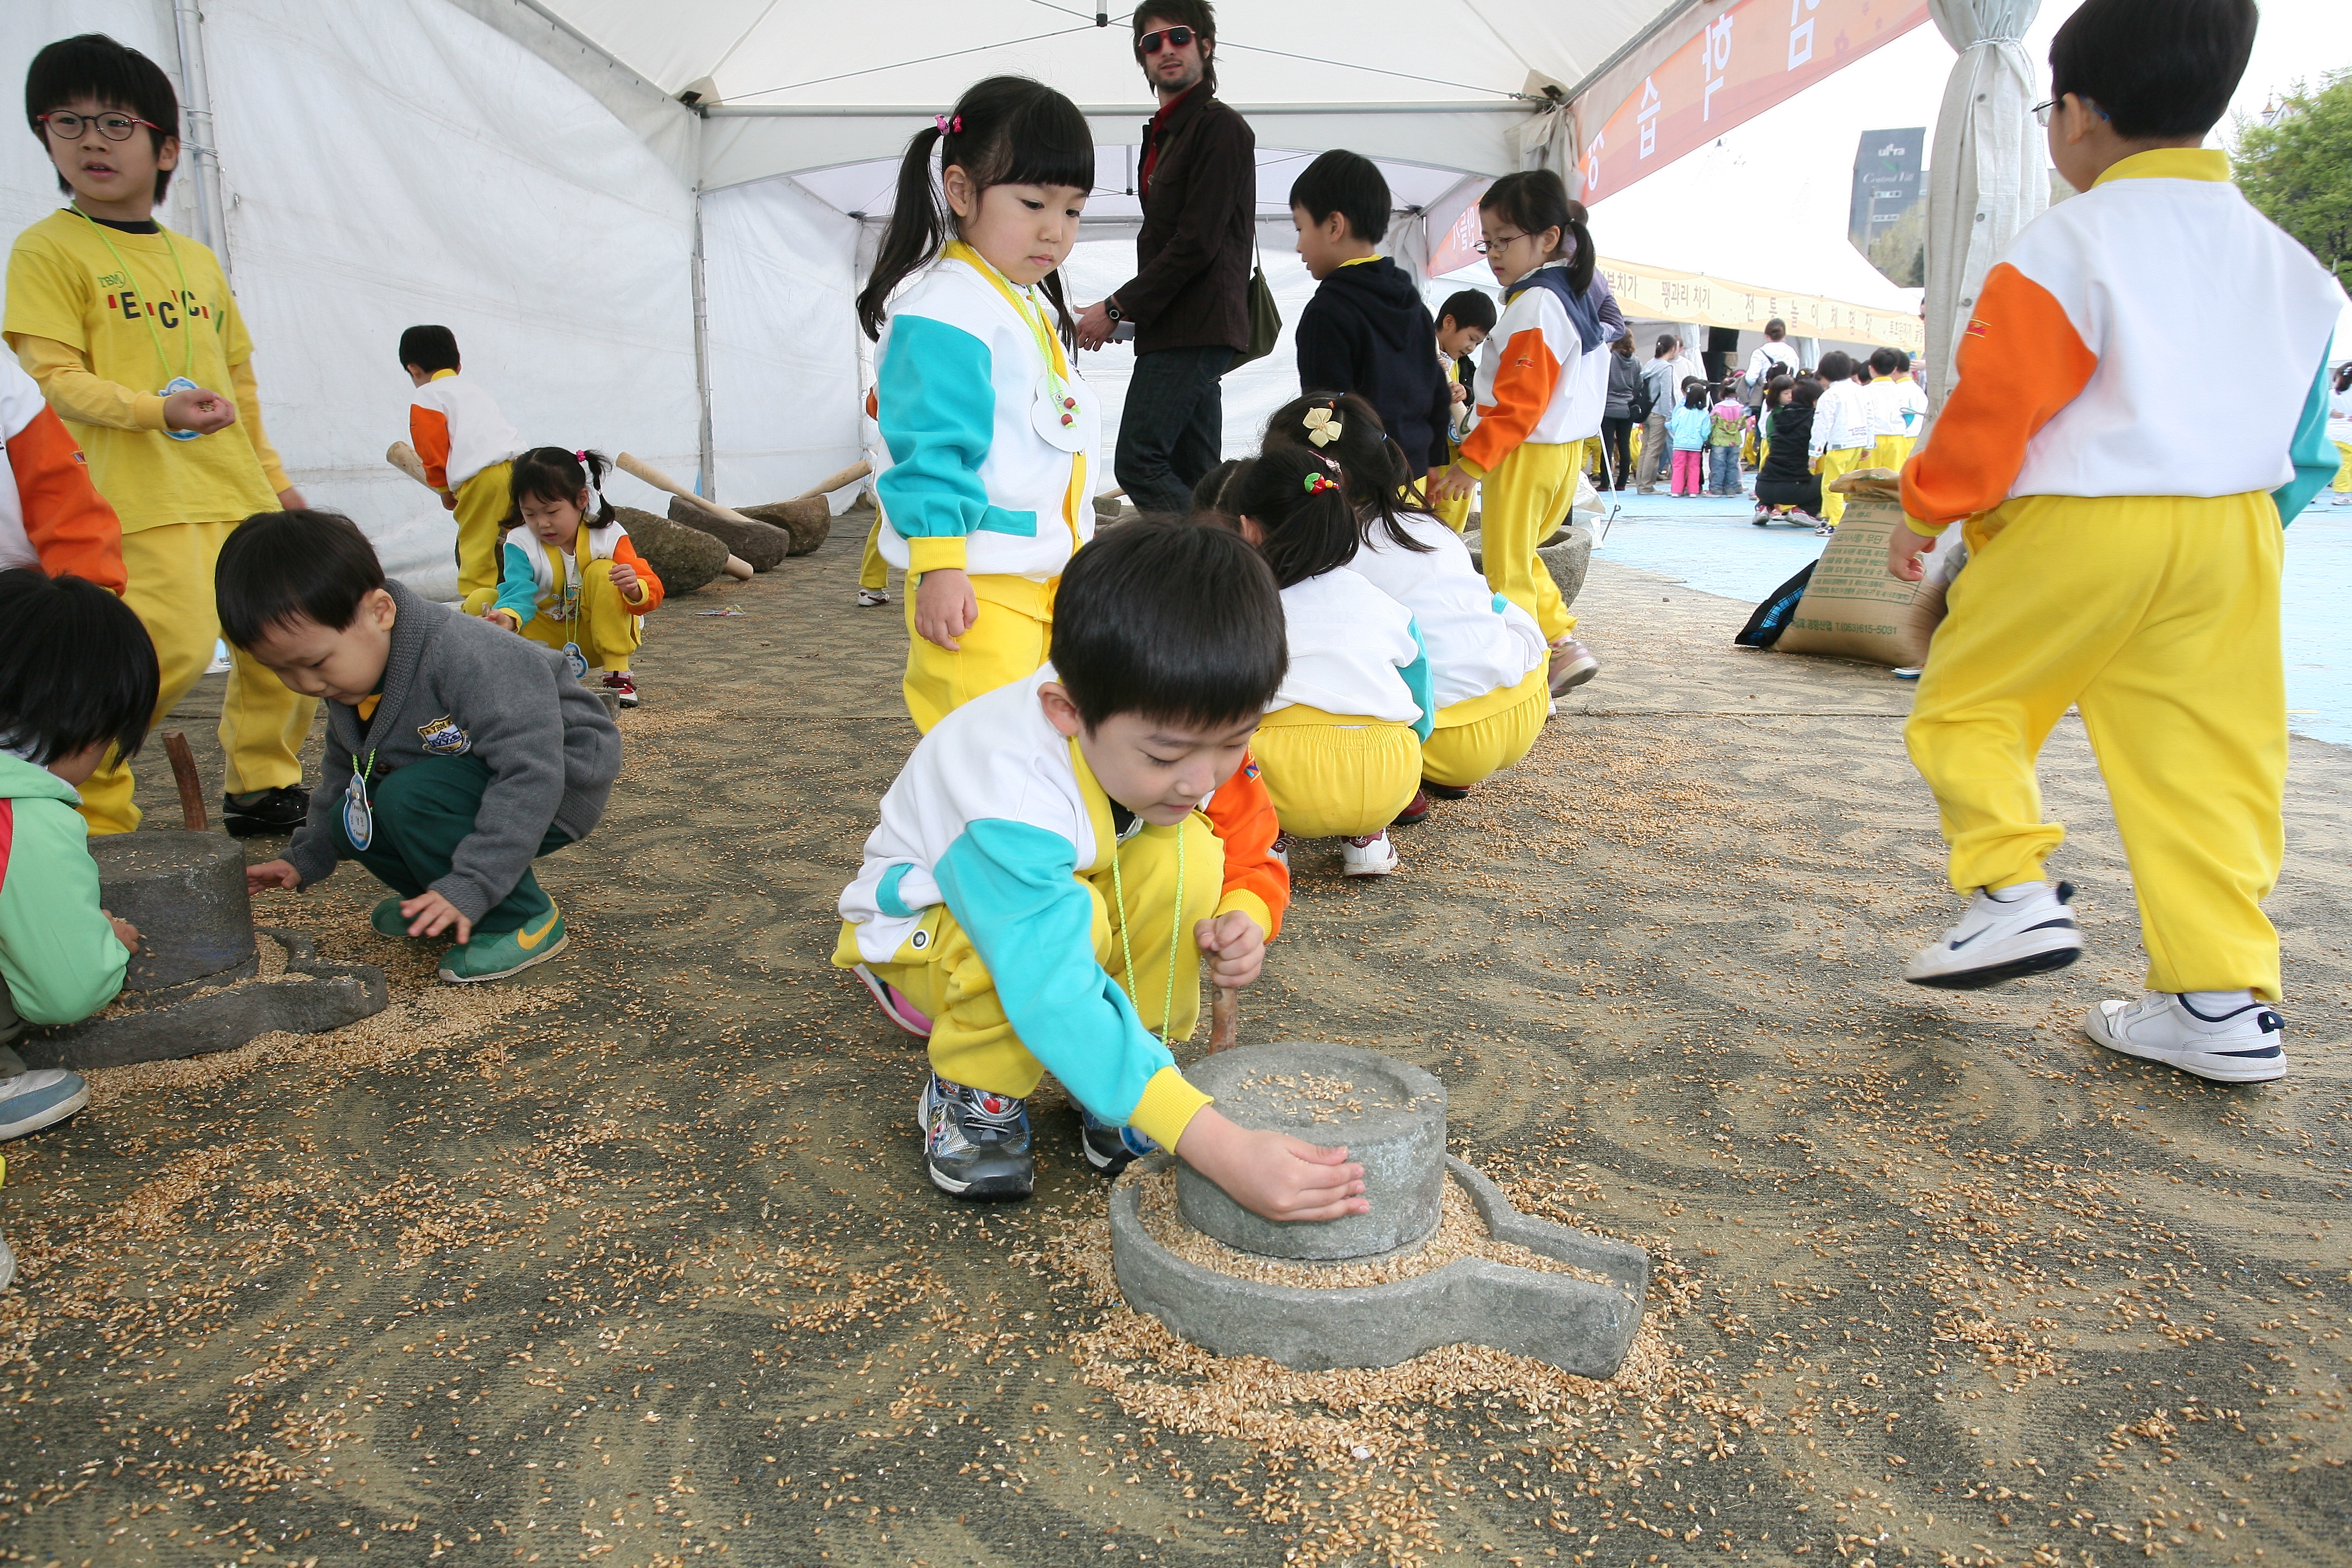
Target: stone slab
202,1016
185,892
761,546
1569,1322
1390,1114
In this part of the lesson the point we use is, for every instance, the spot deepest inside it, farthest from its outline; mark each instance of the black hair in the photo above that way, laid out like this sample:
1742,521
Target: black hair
1774,387
1695,394
552,474
1348,183
1776,329
1005,130
429,349
1666,341
1809,392
1209,494
1470,308
1171,619
1885,361
2344,376
279,567
94,66
1197,15
1536,200
1836,366
1298,498
1372,466
2156,68
77,669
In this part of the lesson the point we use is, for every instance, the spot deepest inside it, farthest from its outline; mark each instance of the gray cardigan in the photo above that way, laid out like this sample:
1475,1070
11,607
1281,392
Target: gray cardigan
455,685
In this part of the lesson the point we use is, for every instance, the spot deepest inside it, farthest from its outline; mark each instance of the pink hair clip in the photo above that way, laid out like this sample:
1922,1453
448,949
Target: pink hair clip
948,125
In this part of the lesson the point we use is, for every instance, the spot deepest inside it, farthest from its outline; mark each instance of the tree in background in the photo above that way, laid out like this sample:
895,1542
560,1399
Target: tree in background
2296,165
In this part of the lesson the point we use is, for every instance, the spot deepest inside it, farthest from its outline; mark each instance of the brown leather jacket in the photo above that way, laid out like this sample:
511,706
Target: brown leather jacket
1192,256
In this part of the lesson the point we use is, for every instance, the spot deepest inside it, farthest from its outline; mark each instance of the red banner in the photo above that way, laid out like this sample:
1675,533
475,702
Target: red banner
1750,56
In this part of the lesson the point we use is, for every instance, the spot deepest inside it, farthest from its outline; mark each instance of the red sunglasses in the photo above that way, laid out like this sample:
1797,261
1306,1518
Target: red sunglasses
1177,38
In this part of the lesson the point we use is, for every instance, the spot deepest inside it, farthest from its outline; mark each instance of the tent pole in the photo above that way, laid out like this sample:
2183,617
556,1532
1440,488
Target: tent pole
196,101
706,480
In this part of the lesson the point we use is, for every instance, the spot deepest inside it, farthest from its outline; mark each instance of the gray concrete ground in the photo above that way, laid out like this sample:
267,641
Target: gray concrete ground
631,1261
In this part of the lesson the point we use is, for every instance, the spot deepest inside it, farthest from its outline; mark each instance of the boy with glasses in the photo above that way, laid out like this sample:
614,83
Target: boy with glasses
134,339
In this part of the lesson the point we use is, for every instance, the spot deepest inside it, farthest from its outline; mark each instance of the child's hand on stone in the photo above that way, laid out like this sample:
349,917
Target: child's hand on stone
430,914
625,578
1270,1173
272,874
1236,948
124,931
945,607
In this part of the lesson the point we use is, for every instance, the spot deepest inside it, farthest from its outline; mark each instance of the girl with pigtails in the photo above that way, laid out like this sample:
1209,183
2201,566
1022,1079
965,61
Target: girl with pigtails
1339,749
569,578
988,434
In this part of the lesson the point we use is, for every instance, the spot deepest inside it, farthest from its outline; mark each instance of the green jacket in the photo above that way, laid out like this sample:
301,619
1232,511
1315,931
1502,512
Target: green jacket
58,954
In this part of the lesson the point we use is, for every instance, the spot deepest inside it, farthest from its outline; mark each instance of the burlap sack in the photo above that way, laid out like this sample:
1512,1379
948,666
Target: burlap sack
1856,608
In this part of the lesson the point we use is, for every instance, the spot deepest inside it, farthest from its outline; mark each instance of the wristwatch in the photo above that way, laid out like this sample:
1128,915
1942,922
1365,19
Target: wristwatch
1110,308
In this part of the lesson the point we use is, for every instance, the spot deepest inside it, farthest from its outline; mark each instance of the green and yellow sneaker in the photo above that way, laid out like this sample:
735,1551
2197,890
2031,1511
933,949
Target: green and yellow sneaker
388,920
509,953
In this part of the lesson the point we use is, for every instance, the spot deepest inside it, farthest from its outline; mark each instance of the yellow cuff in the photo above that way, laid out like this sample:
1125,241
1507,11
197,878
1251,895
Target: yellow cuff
1166,1107
1925,530
1469,468
935,554
1250,904
147,411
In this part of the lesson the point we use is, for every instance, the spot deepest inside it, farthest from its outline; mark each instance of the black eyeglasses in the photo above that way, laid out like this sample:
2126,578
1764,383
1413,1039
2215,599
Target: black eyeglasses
2042,111
113,127
1177,38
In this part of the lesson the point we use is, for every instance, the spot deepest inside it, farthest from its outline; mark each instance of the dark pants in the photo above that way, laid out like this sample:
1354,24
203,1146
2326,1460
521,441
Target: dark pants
1173,430
1616,452
422,812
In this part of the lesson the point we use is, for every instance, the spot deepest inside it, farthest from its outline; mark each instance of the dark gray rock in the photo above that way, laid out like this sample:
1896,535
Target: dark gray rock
809,522
185,892
761,546
1391,1119
683,558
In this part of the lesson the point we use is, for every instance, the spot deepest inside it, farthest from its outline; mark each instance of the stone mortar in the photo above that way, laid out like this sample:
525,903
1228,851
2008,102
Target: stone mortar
1558,1318
185,892
1392,1122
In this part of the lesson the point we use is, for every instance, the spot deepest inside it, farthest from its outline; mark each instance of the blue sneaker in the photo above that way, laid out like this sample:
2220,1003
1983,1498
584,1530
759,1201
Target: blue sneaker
32,1100
976,1142
1110,1149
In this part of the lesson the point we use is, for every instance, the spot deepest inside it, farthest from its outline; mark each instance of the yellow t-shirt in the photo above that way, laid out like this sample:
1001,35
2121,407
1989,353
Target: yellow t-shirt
66,284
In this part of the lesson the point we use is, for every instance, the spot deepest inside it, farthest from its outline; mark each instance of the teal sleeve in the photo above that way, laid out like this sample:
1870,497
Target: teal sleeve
517,585
936,402
57,949
1014,887
1420,683
2315,455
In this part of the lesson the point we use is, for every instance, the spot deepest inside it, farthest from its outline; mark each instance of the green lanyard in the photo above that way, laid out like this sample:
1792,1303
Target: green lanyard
1049,346
147,310
1175,934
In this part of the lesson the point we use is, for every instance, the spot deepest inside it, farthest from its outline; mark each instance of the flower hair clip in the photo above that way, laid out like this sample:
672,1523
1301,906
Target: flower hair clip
1316,484
1323,426
949,124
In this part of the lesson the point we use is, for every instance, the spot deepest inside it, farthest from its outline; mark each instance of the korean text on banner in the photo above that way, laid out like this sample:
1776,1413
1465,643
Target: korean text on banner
1751,56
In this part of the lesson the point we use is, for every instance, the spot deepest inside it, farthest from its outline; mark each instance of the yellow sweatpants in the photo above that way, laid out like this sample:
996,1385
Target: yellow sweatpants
1836,464
2159,617
1332,776
1473,741
484,503
1890,452
1527,496
873,572
2343,473
971,1041
1007,643
168,572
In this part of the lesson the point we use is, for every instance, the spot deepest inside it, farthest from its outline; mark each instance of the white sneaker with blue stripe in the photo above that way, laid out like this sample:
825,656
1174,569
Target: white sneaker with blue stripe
38,1099
2021,930
2229,1038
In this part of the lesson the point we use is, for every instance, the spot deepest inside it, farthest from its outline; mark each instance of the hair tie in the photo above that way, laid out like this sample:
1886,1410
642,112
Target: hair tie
1324,425
581,456
950,125
1316,484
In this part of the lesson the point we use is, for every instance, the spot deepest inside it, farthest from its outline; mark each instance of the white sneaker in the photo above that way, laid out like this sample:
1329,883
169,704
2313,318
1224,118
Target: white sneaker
867,597
1999,939
1373,857
2242,1042
7,1264
1280,849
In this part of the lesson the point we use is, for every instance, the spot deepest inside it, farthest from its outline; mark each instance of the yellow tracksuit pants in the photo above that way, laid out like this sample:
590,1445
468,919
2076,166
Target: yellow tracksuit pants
608,632
971,1041
2343,473
484,503
168,572
1527,495
1332,776
1837,465
1474,740
2159,617
873,572
1007,643
1890,452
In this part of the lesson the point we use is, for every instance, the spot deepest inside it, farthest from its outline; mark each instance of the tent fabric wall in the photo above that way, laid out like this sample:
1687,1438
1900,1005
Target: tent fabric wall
1986,177
780,274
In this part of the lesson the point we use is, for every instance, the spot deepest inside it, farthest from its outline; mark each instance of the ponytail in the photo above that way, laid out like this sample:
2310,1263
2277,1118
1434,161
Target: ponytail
1299,501
1583,260
917,230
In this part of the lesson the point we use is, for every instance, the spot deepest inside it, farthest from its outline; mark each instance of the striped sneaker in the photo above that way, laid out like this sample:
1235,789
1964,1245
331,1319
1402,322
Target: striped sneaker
893,1003
2241,1040
2022,931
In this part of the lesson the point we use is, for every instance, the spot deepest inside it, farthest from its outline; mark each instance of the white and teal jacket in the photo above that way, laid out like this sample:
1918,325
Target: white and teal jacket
997,817
965,478
1354,652
1477,640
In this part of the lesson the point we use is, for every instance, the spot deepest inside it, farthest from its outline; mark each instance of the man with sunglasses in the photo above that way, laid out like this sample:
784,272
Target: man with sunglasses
1189,300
